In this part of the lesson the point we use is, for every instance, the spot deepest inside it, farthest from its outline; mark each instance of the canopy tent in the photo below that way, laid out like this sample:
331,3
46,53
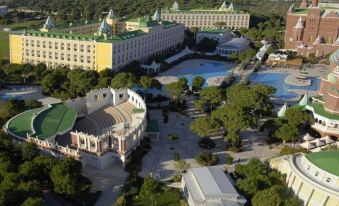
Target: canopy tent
318,142
304,100
327,140
307,145
282,110
308,137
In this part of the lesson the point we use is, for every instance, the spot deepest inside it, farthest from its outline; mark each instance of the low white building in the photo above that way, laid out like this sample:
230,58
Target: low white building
207,186
235,45
220,35
3,10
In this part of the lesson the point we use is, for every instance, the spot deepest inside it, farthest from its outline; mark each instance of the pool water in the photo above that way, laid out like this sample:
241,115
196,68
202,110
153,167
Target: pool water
7,97
277,80
206,70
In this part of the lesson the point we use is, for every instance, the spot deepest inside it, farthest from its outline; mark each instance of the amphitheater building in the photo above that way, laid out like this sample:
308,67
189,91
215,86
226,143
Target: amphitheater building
104,126
313,177
107,44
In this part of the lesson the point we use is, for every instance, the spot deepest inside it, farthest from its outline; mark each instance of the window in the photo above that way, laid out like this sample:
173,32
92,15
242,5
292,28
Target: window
328,180
82,141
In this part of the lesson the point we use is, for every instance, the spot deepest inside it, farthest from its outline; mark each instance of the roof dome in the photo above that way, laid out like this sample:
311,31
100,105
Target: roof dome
334,58
331,78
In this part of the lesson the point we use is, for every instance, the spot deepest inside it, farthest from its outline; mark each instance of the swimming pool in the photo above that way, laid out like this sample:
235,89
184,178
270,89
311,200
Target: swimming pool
277,80
206,69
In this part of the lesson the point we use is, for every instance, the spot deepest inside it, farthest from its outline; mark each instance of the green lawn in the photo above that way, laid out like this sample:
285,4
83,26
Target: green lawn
56,119
170,197
326,160
21,125
4,45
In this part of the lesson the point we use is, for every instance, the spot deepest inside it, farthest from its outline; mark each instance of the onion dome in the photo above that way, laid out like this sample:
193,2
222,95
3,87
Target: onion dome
334,58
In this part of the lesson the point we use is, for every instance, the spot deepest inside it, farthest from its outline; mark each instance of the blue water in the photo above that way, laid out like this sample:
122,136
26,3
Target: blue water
277,80
7,97
206,70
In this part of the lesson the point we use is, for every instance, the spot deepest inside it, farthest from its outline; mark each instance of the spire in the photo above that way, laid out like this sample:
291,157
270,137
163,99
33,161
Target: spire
104,28
156,16
282,110
337,41
223,6
300,24
318,40
304,100
49,23
231,7
291,8
175,6
111,14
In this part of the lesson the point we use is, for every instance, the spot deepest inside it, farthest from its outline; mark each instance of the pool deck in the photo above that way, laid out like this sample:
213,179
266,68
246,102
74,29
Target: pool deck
168,76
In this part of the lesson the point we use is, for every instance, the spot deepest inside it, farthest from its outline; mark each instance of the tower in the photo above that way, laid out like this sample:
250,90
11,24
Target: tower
175,6
314,3
113,21
104,29
48,25
304,4
298,30
231,8
223,6
156,16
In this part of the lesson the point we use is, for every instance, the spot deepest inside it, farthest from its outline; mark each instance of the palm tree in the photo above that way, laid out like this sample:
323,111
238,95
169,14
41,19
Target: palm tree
173,138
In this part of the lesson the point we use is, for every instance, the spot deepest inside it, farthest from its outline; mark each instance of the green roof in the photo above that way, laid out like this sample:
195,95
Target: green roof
326,160
55,120
152,126
76,23
145,21
21,124
126,35
300,11
215,30
319,109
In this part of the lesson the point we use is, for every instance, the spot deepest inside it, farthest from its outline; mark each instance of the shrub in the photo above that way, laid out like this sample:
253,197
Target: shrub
229,159
176,156
286,150
206,143
207,159
177,178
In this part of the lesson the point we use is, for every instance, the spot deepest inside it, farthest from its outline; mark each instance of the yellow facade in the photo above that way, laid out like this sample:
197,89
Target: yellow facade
104,56
15,42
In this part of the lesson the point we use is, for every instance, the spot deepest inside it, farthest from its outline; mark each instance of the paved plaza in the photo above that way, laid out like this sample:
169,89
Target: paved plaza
160,160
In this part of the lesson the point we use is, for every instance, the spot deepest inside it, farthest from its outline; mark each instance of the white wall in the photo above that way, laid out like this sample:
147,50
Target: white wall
119,96
96,99
79,105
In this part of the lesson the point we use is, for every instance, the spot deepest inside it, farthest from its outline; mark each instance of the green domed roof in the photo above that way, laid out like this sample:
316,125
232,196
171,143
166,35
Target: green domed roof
331,78
326,160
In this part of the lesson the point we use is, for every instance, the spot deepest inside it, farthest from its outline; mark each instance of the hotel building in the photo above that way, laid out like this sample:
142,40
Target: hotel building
313,28
207,18
108,44
325,107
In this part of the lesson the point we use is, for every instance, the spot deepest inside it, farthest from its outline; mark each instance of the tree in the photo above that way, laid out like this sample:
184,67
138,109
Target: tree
268,197
207,45
173,138
297,117
177,88
197,83
123,80
34,201
219,24
2,78
149,188
147,82
207,159
45,165
199,105
204,126
39,70
287,132
181,165
66,177
212,96
312,59
29,151
29,171
81,81
233,138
